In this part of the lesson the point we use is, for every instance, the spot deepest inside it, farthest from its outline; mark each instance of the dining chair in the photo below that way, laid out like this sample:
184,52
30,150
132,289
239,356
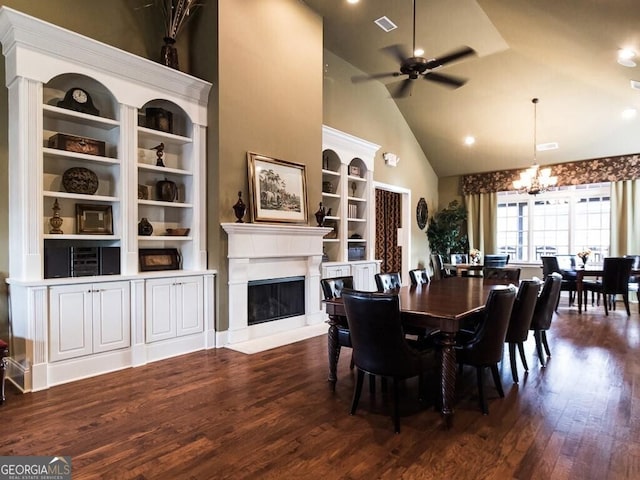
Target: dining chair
543,313
519,323
457,258
388,282
496,260
616,272
550,264
379,344
439,272
634,280
511,274
338,335
485,346
419,276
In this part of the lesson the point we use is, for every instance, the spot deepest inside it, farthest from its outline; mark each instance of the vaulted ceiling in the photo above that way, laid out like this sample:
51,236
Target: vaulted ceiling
563,52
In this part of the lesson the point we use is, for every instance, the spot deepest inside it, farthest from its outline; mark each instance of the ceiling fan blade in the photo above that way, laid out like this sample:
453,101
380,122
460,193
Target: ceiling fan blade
397,51
448,80
403,90
460,53
375,76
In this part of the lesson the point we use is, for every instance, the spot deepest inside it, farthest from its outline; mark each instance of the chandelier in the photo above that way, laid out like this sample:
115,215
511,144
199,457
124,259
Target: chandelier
535,180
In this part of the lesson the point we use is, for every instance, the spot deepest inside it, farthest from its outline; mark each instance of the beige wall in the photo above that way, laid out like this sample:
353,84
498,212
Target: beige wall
366,111
267,98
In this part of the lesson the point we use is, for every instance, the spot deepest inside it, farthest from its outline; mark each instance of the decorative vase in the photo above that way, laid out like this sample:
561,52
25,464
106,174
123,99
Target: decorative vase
239,208
584,260
166,190
144,227
80,180
320,214
55,221
169,53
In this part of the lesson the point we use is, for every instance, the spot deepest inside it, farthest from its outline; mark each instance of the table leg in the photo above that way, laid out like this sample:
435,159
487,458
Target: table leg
448,376
579,291
334,353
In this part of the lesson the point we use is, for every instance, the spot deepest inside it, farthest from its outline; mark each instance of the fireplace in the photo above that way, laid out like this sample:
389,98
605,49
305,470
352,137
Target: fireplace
274,299
261,253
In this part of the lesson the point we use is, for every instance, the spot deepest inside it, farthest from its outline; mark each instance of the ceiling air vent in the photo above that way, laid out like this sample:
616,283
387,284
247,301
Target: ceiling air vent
635,84
385,24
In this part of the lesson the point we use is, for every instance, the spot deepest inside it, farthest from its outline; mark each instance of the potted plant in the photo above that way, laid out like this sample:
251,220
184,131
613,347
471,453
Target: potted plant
446,231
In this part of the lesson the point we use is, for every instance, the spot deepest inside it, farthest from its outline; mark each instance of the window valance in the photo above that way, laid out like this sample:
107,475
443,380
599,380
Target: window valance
609,169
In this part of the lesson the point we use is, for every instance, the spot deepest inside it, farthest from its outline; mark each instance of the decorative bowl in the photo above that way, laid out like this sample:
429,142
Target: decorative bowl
178,232
80,180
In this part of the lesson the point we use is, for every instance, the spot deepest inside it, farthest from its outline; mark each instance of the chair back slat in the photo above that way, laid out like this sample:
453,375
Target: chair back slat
419,276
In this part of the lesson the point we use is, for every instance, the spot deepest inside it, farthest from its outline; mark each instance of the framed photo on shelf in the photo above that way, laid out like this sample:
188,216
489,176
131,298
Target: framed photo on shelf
278,190
94,219
354,170
155,259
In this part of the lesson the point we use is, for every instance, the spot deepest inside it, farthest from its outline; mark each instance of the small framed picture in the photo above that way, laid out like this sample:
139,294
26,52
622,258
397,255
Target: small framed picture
94,219
154,259
354,170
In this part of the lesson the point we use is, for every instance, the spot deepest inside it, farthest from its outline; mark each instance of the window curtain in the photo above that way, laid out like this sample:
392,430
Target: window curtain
482,224
625,218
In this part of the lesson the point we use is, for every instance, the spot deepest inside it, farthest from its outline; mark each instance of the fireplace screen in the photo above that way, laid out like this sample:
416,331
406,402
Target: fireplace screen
275,298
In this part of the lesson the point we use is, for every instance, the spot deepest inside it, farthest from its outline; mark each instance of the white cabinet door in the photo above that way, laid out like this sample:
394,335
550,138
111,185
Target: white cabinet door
189,305
70,322
88,318
111,316
160,309
364,276
174,307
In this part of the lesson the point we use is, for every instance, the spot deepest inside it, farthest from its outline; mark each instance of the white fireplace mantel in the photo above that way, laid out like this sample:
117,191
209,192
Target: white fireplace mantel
263,251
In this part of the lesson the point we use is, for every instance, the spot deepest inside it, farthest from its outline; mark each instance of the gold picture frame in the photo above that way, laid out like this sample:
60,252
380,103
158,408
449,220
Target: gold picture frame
156,259
278,190
94,219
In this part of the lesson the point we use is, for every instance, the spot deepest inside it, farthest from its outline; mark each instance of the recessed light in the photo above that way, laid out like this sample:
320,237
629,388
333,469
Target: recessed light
629,113
353,1
625,56
469,140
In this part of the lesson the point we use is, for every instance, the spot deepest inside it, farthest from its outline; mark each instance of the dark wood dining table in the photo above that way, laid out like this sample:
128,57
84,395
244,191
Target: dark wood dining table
590,271
443,304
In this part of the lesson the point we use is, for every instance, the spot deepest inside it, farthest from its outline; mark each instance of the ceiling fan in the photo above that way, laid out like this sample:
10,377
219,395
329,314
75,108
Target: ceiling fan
416,67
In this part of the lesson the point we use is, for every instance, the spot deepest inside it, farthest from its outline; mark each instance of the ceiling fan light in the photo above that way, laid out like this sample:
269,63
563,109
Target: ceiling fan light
418,52
626,54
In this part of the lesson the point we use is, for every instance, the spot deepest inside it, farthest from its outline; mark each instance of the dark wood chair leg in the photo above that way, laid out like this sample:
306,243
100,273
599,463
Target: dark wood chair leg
396,406
357,391
372,384
536,335
522,356
625,299
543,337
481,396
514,364
605,301
496,379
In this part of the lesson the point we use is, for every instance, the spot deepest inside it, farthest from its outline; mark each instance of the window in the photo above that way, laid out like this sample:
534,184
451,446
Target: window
560,222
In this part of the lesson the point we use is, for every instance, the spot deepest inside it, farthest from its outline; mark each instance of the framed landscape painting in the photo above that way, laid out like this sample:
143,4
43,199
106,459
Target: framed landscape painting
278,190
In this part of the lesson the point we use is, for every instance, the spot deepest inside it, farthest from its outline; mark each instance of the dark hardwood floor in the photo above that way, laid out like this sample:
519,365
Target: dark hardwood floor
222,414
